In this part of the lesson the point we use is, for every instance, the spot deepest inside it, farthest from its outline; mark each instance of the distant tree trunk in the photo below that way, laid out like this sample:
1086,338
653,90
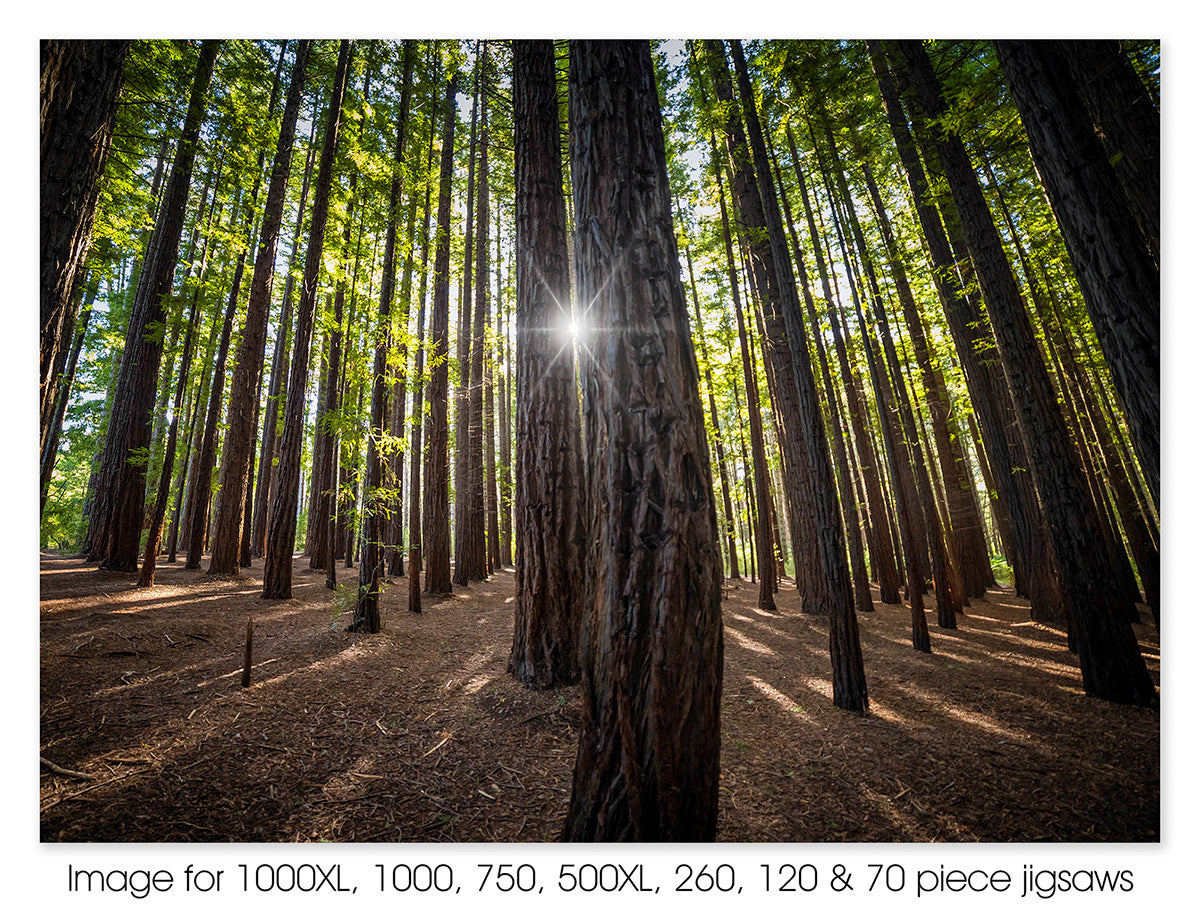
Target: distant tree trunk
504,465
1115,268
281,536
471,553
436,490
758,453
207,459
418,408
80,83
49,453
236,457
366,610
1110,660
549,464
462,393
726,501
123,471
279,369
648,761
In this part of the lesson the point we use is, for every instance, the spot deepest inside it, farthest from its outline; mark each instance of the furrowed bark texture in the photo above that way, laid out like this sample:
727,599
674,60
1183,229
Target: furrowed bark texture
549,465
80,83
648,761
1115,268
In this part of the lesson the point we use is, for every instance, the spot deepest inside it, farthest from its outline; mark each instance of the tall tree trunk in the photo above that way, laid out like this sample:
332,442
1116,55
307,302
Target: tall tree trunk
549,558
1110,660
279,368
281,535
830,577
436,490
471,553
1019,511
463,556
726,502
766,587
845,485
123,472
1116,271
237,457
366,610
879,538
648,761
418,409
80,83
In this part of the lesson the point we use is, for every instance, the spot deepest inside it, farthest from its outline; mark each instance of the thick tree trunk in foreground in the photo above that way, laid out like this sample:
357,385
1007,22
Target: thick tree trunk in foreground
80,83
1110,660
1116,271
648,760
281,535
549,465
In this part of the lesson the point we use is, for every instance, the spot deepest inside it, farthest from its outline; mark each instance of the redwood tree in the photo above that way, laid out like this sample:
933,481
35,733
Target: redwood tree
281,535
648,760
549,464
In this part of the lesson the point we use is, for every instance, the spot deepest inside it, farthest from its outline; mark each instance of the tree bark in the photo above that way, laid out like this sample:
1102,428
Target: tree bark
549,464
80,84
648,761
1116,272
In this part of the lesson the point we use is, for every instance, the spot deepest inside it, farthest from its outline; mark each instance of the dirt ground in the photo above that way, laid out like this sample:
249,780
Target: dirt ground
418,733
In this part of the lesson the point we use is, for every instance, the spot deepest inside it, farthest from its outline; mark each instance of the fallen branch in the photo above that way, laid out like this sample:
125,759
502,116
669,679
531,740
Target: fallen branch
69,773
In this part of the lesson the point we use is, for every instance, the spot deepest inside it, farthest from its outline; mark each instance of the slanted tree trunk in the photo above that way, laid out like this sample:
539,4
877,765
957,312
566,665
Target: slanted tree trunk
719,446
549,464
766,587
281,536
80,83
237,456
648,760
123,471
1019,512
1110,660
1115,268
830,574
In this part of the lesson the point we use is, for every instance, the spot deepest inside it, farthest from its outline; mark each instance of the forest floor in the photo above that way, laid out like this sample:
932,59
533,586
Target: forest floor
418,733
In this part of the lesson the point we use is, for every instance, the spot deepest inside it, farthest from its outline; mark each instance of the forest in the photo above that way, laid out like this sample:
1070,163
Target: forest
599,440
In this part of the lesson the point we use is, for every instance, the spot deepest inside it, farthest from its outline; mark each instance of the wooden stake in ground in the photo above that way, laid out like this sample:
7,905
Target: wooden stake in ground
249,652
